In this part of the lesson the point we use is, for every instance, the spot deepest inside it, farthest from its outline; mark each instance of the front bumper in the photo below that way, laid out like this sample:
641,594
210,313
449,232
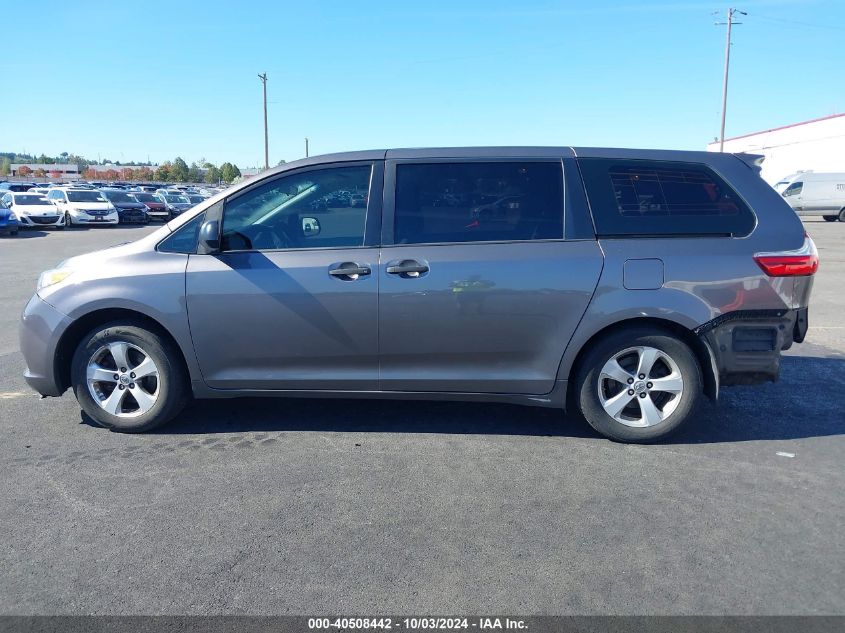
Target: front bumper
104,219
41,329
42,220
747,344
133,215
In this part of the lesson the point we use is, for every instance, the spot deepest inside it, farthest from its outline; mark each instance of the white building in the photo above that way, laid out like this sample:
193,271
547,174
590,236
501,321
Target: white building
61,170
817,145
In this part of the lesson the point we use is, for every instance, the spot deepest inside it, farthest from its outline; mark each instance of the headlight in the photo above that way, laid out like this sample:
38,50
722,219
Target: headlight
51,277
12,215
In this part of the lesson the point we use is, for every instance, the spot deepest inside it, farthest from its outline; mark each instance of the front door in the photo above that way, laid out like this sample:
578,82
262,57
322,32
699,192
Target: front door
479,292
291,302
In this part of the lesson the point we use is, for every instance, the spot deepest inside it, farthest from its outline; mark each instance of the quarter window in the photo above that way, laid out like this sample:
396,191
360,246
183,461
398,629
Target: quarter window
184,239
319,208
641,197
478,202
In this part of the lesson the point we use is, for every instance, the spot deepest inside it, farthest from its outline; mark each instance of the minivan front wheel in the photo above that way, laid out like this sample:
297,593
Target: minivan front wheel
638,385
128,378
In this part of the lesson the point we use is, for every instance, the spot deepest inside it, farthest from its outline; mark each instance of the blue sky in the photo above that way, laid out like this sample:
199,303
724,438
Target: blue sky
128,80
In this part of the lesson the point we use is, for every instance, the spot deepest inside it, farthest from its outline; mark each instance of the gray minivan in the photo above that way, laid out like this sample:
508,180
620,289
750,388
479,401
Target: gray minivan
621,284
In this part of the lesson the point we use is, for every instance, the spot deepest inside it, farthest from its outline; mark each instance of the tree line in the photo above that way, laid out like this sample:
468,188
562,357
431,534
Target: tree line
176,170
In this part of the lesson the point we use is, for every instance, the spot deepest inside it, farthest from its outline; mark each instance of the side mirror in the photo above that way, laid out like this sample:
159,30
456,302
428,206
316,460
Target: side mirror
209,239
310,227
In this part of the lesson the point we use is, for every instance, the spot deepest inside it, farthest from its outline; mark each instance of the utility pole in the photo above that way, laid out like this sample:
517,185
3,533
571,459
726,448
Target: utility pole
263,78
729,24
306,147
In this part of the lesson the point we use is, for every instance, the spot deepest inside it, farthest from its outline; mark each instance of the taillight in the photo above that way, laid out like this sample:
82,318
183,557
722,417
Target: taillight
798,263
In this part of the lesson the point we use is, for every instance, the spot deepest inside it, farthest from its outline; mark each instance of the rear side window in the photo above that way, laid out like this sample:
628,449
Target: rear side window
478,202
640,197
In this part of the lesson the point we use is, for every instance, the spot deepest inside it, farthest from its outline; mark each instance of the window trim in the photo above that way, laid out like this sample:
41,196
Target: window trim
372,220
389,205
677,235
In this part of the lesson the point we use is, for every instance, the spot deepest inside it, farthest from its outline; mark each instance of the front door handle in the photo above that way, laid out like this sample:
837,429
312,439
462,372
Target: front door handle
408,268
349,271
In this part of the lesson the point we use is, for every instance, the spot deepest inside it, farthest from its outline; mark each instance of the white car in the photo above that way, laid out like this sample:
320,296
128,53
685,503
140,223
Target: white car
83,206
33,210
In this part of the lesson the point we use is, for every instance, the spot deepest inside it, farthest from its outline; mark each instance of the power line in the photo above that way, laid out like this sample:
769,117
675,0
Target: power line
809,25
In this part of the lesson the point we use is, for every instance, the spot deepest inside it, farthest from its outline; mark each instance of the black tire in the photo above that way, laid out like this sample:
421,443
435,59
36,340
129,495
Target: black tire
842,215
586,391
830,218
172,386
68,220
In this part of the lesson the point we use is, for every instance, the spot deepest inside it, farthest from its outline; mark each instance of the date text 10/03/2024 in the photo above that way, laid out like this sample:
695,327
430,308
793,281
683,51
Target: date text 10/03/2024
417,623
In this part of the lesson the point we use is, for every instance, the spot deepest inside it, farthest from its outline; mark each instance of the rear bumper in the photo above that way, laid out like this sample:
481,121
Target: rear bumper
747,344
40,330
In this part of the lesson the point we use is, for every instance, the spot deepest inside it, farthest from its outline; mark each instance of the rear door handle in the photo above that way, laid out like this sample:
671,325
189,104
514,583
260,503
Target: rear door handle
408,268
349,271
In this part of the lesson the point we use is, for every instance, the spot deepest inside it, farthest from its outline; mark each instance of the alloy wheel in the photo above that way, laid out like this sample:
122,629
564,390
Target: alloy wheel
123,379
640,386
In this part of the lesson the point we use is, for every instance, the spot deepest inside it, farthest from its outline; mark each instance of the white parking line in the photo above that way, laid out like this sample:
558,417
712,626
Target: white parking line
8,395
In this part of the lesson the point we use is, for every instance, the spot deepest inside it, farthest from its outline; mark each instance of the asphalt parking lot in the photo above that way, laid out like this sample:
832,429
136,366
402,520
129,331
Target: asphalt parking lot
367,507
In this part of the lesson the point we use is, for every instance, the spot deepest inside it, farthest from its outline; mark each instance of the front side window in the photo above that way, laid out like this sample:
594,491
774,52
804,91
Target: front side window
310,209
794,189
478,202
644,197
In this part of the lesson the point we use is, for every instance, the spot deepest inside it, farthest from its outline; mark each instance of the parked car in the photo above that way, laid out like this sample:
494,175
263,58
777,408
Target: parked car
357,200
43,190
176,204
670,276
168,192
814,194
16,186
83,206
8,220
156,207
33,209
129,210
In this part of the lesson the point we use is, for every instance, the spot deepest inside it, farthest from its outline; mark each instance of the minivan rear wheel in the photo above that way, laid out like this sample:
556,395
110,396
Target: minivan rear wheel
128,378
638,385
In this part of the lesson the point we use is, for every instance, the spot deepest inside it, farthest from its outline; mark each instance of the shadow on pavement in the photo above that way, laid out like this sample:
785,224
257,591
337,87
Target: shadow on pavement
807,402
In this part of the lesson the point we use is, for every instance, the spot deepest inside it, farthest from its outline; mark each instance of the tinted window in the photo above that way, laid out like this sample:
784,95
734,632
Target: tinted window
641,197
794,189
478,202
184,240
308,209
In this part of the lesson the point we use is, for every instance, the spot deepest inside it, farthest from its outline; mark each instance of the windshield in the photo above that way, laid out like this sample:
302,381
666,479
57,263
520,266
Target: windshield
30,199
119,196
146,197
196,199
177,199
85,196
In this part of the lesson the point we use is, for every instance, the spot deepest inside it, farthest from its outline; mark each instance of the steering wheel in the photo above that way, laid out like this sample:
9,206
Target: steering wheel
265,236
